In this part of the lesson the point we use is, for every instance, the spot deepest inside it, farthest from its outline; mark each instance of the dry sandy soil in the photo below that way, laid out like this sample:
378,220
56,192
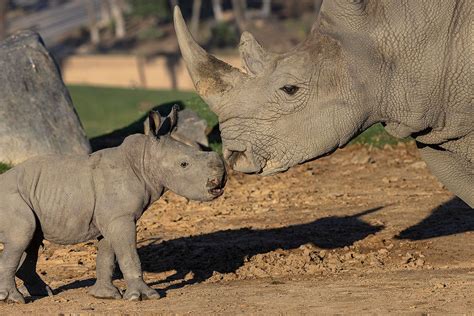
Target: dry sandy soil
361,231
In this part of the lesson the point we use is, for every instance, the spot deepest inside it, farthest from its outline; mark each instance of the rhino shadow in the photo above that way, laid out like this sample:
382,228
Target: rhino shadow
226,251
452,217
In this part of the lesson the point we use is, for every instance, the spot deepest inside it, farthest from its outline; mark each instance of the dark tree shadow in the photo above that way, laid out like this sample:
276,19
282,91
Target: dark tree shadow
226,251
452,217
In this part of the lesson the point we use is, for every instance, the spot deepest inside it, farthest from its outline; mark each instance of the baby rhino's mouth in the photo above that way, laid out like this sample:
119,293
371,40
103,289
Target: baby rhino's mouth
216,186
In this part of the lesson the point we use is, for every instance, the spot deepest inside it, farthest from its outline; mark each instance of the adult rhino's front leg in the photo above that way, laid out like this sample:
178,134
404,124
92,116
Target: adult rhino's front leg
454,172
121,233
103,287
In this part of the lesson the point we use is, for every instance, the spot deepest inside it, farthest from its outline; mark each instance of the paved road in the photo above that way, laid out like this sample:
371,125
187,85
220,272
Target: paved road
54,23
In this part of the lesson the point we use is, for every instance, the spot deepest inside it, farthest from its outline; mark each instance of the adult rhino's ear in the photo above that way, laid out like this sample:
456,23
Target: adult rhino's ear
254,57
153,123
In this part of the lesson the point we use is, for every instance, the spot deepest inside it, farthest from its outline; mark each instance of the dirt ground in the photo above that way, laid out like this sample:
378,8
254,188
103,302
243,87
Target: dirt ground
362,231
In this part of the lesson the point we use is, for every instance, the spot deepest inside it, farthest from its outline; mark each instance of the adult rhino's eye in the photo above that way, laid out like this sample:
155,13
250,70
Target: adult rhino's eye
289,89
184,164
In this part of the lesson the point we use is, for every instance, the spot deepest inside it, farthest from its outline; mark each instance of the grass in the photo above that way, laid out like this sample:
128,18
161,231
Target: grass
4,167
376,136
104,110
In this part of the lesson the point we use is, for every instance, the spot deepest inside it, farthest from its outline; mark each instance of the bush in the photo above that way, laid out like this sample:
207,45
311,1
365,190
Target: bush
151,8
223,35
4,167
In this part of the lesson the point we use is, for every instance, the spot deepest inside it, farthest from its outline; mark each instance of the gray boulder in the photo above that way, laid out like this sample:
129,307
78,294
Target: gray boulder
37,116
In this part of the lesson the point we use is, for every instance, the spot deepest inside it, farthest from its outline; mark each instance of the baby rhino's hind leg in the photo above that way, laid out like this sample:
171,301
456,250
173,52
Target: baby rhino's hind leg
33,283
17,226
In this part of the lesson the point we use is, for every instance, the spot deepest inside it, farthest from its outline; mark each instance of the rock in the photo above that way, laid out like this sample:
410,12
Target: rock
418,165
361,158
37,116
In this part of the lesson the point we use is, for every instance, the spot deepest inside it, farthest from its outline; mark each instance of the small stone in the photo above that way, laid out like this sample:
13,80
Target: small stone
383,251
440,285
418,165
361,158
189,276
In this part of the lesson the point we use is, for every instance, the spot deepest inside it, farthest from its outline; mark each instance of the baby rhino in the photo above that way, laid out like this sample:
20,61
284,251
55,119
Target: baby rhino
72,199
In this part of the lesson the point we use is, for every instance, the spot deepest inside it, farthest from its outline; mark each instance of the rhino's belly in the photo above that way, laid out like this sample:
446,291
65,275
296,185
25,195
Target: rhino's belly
68,226
66,212
71,233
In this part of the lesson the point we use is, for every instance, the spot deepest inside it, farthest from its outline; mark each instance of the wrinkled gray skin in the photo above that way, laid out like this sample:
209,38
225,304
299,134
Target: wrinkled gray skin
72,199
407,64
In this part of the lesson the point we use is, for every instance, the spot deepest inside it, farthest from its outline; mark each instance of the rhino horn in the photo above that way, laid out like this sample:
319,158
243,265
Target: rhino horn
211,76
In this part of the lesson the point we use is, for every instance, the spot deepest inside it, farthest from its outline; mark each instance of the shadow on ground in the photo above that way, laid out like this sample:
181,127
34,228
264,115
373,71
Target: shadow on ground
452,217
226,251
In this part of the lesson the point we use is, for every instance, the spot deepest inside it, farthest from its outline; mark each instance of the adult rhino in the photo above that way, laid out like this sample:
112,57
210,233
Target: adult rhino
407,64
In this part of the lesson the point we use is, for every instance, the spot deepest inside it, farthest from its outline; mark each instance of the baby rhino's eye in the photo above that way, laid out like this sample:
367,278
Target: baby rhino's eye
184,164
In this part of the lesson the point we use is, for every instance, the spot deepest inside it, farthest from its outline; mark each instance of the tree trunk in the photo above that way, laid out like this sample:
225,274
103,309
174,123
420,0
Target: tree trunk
240,7
195,17
217,9
93,26
266,8
37,116
3,18
317,6
117,15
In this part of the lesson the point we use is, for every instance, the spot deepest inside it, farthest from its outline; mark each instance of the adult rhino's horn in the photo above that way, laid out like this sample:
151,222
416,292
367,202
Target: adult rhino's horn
211,76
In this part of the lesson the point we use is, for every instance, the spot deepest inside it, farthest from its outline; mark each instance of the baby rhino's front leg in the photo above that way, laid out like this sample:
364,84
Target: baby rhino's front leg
105,264
121,234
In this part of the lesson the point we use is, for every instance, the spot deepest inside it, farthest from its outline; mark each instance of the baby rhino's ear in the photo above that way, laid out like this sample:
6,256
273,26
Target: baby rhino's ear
153,123
173,117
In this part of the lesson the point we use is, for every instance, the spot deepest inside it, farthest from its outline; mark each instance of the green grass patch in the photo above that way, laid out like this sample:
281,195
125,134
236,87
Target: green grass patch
377,136
4,167
103,110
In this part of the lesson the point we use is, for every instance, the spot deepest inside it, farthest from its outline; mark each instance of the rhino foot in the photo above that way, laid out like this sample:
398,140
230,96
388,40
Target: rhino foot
11,295
138,290
107,291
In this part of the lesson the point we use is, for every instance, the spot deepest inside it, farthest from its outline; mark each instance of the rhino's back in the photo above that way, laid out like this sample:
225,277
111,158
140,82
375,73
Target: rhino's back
60,190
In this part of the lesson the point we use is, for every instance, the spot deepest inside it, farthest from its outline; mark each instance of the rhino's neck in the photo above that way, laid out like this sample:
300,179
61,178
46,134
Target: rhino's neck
399,57
137,152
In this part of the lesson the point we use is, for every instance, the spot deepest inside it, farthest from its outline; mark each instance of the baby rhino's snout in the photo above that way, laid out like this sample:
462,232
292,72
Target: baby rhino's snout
216,184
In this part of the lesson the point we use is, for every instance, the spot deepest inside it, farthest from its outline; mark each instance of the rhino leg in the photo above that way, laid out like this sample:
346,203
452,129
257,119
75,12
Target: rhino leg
17,227
453,171
121,234
103,287
32,282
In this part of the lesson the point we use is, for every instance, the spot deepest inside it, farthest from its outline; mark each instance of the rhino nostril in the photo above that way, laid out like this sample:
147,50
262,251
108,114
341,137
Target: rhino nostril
213,183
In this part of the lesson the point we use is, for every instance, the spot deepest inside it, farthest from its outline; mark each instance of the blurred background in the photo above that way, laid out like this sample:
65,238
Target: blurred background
131,43
120,58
